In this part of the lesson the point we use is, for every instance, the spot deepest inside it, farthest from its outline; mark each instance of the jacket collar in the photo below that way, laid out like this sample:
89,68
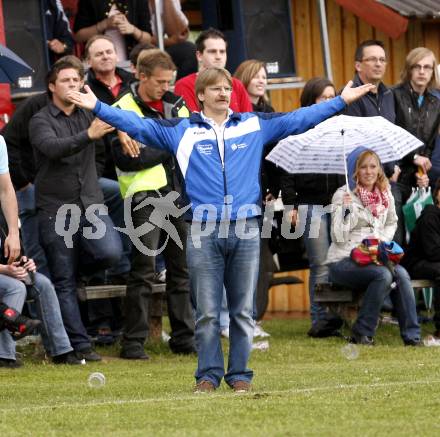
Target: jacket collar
381,89
123,74
196,117
428,93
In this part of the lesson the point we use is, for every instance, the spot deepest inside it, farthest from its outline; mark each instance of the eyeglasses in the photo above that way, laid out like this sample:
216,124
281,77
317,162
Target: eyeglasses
219,89
374,60
419,67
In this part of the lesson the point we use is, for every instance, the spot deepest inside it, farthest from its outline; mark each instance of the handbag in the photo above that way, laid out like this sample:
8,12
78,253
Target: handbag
374,251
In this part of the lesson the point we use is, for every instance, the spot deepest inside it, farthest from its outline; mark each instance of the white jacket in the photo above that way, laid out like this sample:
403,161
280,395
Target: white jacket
349,231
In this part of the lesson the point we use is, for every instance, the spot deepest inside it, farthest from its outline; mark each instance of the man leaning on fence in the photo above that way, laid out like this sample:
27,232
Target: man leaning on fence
219,154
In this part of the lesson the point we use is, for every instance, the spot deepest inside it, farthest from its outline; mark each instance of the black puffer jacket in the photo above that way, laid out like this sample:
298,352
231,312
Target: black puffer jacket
105,95
310,188
425,239
422,122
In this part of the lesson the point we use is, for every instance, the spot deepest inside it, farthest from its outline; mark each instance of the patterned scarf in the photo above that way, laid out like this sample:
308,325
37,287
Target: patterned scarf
376,201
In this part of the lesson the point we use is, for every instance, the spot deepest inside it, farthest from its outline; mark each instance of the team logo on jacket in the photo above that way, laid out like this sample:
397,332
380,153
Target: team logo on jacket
238,146
205,149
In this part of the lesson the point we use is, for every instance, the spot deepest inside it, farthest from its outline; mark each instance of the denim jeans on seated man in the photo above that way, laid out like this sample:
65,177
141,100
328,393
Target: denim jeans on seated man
94,246
376,282
14,297
55,339
224,258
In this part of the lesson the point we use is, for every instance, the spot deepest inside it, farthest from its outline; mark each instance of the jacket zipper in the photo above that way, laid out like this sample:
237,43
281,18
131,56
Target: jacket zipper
222,162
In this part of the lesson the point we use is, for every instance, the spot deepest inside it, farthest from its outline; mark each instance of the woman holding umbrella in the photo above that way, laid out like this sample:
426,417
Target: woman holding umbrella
366,209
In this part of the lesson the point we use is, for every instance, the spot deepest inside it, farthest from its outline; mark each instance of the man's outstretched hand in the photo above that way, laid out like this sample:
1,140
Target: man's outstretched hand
85,100
350,94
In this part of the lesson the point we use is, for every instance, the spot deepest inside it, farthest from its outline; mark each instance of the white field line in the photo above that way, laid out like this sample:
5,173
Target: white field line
214,396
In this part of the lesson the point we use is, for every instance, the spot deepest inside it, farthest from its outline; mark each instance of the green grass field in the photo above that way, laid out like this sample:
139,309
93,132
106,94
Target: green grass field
302,386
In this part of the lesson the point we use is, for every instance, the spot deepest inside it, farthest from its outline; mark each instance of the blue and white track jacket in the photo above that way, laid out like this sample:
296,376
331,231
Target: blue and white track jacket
194,143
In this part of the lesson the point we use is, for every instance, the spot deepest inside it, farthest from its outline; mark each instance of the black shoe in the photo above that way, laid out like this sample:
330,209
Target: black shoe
189,350
67,358
88,355
362,339
10,364
132,353
414,342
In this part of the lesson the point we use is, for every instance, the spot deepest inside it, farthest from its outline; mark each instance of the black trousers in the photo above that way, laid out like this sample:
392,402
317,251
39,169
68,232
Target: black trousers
154,220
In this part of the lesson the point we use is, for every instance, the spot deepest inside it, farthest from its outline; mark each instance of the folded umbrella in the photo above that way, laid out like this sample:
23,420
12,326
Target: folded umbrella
12,66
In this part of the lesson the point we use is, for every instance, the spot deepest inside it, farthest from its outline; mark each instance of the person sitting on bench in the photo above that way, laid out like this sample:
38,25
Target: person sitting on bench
362,210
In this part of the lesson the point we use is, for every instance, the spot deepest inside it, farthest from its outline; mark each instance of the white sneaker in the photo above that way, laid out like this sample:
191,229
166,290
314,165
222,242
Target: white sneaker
225,333
260,332
260,345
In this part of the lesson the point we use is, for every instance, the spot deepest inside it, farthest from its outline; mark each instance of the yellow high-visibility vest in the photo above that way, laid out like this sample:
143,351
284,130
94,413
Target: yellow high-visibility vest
131,182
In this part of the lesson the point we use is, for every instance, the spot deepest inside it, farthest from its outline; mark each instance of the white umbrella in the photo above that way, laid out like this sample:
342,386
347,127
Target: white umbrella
323,149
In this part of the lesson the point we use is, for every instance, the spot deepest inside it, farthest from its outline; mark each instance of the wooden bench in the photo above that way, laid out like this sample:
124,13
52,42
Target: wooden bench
155,309
340,300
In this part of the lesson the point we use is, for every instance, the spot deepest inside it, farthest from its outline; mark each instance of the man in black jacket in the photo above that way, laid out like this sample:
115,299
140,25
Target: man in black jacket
417,111
106,80
74,228
370,65
109,82
152,175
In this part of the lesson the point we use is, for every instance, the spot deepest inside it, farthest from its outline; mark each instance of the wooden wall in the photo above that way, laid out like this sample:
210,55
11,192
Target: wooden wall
346,31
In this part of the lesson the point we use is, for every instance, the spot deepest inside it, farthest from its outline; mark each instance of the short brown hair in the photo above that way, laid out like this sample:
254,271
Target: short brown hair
382,181
137,49
64,63
414,56
209,77
210,33
150,59
94,38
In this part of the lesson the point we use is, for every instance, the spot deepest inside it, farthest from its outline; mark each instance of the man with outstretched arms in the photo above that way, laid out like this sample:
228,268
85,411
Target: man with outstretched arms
219,154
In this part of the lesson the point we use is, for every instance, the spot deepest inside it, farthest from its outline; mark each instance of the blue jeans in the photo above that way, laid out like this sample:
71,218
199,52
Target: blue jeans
317,241
87,255
29,229
55,339
105,313
234,262
13,296
376,282
224,312
115,204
